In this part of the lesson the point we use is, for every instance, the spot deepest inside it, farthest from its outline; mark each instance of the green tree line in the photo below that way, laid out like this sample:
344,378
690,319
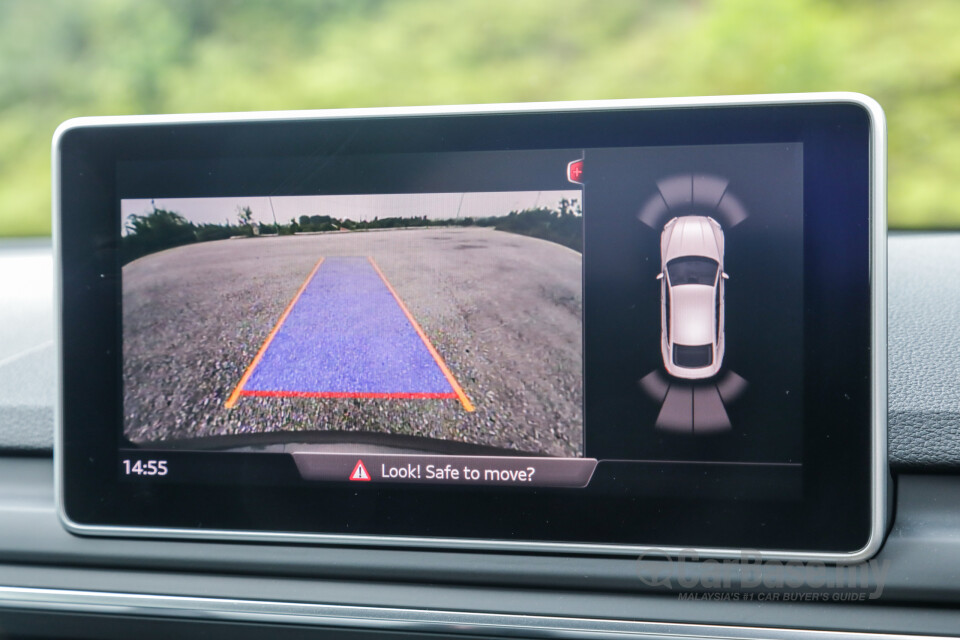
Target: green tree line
66,58
162,229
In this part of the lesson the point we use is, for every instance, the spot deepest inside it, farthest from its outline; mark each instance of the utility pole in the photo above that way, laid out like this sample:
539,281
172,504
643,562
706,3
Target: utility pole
276,227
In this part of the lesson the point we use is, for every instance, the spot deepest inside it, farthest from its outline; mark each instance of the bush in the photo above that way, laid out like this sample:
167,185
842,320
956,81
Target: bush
155,231
162,229
563,226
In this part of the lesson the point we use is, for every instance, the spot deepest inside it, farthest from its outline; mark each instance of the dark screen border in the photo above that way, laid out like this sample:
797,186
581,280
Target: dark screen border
837,449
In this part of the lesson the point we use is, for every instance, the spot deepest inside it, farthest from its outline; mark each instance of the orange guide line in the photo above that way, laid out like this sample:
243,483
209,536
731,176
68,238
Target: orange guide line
464,400
232,400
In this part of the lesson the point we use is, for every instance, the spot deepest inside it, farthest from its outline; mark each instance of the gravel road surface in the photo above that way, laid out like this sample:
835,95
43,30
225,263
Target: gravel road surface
503,311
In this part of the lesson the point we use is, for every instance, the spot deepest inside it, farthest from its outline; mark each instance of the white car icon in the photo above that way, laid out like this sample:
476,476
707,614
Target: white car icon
691,297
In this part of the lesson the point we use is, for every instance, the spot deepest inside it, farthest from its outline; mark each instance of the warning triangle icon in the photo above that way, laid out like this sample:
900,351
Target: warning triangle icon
360,472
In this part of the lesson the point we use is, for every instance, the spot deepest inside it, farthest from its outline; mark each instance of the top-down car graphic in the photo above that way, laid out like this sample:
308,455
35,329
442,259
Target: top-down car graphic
691,293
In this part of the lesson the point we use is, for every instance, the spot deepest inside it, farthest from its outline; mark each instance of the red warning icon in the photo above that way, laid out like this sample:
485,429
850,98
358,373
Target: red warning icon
360,472
575,171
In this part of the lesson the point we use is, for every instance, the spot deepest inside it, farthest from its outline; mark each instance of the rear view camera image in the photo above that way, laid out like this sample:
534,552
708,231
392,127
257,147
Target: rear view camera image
447,323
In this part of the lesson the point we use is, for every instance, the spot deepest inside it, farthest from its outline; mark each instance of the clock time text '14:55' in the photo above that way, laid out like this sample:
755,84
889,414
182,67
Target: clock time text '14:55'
145,467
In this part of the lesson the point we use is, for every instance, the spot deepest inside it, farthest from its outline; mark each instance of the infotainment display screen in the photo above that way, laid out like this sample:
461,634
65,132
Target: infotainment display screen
604,327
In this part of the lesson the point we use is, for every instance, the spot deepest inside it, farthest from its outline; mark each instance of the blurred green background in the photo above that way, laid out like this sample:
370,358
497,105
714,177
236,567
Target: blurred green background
60,59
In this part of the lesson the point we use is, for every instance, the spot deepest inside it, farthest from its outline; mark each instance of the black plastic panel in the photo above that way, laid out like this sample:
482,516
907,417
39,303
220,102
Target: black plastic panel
27,355
27,624
924,341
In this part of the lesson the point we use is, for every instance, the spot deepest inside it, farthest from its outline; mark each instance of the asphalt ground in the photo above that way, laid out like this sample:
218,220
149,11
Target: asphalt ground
502,311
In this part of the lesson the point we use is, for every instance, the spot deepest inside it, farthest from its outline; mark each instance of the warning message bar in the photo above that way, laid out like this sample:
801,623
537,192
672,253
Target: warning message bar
431,469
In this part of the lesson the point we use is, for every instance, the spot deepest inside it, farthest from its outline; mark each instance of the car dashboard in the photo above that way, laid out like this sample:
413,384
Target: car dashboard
56,584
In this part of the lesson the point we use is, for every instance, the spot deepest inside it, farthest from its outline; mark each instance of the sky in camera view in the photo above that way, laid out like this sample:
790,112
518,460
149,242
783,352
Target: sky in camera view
61,58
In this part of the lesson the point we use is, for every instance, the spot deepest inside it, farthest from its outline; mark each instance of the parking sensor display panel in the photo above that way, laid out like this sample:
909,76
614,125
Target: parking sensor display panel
696,346
599,330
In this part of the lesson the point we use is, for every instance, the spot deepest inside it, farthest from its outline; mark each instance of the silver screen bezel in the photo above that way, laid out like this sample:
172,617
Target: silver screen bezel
877,231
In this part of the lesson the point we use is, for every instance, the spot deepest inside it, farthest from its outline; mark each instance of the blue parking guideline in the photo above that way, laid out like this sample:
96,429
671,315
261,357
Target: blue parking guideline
347,335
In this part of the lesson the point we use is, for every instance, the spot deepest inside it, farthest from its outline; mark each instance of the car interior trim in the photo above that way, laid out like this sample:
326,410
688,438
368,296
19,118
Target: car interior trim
397,619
